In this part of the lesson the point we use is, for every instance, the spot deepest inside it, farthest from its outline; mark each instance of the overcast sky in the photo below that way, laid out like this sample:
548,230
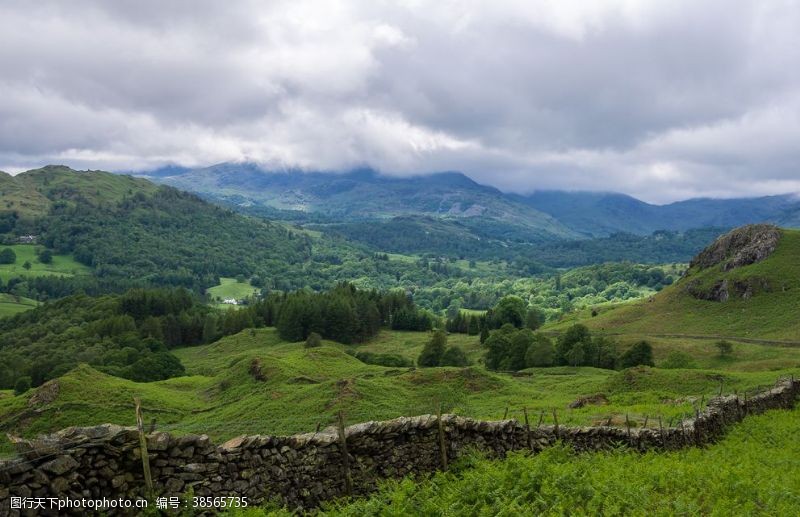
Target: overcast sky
663,100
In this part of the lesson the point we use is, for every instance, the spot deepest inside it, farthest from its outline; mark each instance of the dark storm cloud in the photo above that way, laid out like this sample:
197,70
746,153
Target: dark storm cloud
663,100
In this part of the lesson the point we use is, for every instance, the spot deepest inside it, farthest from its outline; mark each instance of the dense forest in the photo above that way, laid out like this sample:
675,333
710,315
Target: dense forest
460,238
130,335
169,238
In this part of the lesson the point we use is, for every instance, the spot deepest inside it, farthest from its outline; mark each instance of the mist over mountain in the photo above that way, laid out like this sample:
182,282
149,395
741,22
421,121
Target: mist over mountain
366,194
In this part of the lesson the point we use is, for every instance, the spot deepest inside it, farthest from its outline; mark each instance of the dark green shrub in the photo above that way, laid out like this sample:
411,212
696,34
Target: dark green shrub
454,356
313,340
7,256
434,350
639,354
22,385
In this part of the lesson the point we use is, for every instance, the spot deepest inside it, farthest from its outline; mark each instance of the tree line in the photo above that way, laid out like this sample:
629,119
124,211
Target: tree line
511,349
130,335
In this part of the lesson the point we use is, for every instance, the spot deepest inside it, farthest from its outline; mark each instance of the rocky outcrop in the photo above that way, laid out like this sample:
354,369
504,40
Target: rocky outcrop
45,394
722,290
739,247
303,470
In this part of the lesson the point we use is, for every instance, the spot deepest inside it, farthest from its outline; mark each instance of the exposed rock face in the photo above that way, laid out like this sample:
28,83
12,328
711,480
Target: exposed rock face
722,290
598,399
256,371
303,470
45,394
740,247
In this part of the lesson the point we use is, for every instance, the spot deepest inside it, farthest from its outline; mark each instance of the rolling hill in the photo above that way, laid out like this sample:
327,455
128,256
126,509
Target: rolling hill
33,193
126,232
746,284
296,388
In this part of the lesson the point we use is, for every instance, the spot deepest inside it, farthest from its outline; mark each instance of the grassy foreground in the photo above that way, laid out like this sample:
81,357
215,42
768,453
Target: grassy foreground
752,471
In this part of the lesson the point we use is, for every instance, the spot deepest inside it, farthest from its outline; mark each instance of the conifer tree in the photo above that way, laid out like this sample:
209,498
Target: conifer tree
434,350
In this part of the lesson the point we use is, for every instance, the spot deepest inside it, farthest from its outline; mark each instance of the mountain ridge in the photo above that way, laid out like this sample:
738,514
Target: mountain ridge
365,193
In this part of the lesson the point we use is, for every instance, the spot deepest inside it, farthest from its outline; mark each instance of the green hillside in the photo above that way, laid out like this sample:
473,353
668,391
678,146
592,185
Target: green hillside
763,302
32,193
60,183
20,197
129,232
253,382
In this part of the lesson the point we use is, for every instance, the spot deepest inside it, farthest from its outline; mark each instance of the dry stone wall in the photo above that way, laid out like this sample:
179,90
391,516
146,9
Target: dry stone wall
303,470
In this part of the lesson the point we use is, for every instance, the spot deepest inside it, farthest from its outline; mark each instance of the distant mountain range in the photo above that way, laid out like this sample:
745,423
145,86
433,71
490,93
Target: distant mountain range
364,194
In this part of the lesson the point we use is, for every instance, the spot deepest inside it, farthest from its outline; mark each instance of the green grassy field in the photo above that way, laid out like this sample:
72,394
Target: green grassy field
62,265
230,288
305,387
752,471
10,305
766,315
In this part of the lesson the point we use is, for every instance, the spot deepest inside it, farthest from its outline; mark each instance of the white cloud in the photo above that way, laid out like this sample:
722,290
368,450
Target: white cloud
662,100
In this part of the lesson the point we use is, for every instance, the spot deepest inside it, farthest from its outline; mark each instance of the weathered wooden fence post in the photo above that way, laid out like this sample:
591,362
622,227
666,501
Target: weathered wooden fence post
442,443
661,429
527,429
505,415
348,479
555,421
628,428
148,479
541,418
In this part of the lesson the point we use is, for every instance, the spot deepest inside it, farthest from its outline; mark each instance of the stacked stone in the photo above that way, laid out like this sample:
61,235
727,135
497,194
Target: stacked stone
303,470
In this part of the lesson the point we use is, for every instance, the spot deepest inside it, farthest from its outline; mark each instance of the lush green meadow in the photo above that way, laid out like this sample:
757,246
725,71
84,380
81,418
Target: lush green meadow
10,304
61,265
299,388
752,471
230,288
